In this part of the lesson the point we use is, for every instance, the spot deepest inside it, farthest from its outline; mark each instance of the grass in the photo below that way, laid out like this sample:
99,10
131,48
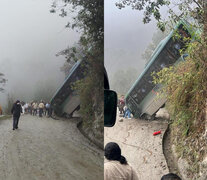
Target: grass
5,117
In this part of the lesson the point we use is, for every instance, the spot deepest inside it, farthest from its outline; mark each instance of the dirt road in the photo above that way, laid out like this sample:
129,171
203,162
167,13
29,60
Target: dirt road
47,149
142,150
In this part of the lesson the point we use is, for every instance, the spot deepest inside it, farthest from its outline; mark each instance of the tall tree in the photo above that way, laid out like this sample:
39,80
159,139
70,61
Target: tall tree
89,21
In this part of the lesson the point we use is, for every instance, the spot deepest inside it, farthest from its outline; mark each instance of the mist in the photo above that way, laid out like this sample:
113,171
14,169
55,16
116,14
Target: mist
126,38
30,38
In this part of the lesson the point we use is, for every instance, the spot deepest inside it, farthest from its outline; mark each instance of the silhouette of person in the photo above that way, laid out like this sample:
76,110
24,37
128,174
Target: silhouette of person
16,111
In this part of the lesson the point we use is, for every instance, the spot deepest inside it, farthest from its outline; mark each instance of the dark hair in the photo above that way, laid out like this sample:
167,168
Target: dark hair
112,151
170,176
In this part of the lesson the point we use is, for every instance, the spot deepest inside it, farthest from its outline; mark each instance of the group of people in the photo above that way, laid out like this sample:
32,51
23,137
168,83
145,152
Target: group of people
37,108
34,108
123,109
116,166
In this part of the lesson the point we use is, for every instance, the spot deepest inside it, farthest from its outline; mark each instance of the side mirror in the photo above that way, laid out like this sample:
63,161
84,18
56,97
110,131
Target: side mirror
110,107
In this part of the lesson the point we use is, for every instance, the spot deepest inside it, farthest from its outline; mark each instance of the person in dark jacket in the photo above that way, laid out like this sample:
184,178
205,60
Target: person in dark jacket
16,111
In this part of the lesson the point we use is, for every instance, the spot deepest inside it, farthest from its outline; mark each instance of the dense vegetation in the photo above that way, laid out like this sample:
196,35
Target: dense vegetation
186,88
89,20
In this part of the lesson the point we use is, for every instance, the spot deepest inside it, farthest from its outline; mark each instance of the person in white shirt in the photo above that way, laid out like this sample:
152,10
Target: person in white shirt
26,107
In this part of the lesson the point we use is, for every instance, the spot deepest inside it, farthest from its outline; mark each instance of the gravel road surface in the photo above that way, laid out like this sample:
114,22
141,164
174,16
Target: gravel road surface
142,150
47,149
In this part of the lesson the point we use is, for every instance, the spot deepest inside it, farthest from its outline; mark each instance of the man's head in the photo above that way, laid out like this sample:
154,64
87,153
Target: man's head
170,176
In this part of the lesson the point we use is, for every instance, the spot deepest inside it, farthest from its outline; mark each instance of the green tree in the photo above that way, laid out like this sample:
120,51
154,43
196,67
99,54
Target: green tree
89,21
176,10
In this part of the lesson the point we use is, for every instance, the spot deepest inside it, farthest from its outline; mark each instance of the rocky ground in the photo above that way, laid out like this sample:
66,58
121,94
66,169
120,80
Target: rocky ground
44,148
142,150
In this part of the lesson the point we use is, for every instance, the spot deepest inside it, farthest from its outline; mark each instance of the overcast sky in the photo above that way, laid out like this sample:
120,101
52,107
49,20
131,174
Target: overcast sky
126,38
30,37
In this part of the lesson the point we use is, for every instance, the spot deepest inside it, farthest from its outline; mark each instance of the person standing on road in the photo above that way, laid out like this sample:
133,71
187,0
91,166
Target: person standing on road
41,107
116,167
47,106
121,104
30,109
34,107
50,111
22,105
26,107
16,111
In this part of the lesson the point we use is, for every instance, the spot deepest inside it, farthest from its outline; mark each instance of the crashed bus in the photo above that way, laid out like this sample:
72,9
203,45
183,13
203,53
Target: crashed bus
66,100
142,98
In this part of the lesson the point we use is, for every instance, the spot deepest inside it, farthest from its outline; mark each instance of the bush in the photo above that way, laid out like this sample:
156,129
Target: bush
90,90
185,86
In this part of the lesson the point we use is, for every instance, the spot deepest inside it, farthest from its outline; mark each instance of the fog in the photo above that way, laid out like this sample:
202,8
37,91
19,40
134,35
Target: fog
126,38
30,38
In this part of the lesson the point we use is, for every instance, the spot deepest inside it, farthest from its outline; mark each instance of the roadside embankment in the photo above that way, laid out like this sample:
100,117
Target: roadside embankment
4,117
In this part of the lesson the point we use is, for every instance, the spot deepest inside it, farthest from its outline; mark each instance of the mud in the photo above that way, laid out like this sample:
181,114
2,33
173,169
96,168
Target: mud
47,149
